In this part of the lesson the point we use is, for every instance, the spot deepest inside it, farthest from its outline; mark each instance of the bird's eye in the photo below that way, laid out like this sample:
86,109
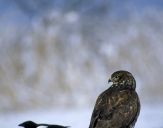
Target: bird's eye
116,77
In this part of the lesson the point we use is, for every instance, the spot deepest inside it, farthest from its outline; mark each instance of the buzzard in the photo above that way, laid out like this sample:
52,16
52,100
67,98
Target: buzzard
31,124
119,105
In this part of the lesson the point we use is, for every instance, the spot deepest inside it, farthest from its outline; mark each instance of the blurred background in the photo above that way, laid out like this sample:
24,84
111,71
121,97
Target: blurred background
56,57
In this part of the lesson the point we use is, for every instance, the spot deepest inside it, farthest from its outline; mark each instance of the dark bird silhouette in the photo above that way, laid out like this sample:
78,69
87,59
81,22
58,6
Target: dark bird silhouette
31,124
119,105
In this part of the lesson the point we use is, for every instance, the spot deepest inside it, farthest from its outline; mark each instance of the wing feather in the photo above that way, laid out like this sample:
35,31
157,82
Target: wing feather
115,109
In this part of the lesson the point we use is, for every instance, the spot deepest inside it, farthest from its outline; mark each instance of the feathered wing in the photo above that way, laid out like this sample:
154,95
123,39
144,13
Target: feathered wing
100,107
115,110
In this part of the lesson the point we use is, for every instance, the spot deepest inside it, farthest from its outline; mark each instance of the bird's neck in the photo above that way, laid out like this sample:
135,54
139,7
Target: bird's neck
119,87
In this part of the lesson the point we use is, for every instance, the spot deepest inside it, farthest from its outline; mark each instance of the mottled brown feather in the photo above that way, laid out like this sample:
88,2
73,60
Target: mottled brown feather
117,107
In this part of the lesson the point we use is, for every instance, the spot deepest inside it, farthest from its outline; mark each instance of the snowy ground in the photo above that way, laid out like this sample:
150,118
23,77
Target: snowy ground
151,116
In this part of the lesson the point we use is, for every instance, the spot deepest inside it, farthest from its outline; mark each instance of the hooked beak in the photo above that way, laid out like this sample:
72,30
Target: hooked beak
109,81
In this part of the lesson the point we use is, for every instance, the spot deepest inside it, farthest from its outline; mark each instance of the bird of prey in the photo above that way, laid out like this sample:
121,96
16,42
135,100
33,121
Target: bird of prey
119,105
31,124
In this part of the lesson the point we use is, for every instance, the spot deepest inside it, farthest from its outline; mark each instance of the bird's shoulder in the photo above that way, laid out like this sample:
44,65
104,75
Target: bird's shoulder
116,97
111,104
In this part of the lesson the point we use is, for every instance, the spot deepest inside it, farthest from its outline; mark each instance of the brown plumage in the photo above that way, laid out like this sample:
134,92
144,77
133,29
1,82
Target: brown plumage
118,106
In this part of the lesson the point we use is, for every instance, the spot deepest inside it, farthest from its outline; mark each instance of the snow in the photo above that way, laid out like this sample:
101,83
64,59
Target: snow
150,117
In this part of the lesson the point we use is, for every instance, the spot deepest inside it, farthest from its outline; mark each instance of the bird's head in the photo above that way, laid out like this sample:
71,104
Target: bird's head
28,124
123,79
